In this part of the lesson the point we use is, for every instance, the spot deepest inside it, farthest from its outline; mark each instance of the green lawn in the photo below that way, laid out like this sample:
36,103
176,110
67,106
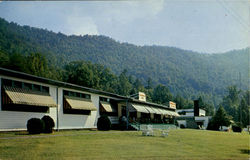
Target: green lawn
180,144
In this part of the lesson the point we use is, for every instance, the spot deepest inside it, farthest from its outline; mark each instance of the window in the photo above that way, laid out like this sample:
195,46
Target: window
7,82
24,85
27,86
17,84
79,95
36,87
87,96
45,89
76,94
103,99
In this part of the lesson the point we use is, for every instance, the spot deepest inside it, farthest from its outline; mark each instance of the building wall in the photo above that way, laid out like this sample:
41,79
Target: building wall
180,122
77,121
16,120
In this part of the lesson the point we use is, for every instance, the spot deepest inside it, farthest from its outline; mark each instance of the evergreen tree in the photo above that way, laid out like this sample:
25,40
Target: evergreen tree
124,86
231,102
220,118
244,109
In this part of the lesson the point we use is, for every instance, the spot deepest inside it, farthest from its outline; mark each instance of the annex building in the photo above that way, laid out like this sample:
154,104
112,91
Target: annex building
24,96
193,118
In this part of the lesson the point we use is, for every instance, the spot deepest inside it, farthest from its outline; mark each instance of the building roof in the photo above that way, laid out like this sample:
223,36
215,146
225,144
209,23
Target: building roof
21,75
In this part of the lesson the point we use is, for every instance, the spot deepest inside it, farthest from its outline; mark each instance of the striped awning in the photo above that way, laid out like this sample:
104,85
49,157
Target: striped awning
28,97
153,110
176,114
107,107
158,111
169,113
80,103
138,108
150,110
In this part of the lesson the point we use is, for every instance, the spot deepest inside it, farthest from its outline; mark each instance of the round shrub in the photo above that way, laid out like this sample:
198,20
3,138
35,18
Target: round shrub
237,127
103,123
182,126
123,123
35,126
213,126
49,124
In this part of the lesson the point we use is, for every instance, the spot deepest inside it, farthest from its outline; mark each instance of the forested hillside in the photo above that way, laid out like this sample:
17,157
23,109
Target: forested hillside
186,73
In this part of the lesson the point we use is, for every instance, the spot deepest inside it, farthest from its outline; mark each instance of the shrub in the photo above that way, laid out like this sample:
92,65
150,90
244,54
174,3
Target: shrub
123,122
237,127
182,126
103,123
190,123
212,126
35,126
49,124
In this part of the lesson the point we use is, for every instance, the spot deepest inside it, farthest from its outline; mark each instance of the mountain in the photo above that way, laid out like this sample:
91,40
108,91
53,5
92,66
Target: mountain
184,72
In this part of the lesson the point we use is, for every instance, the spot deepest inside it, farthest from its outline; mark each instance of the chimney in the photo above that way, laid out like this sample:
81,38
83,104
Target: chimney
196,108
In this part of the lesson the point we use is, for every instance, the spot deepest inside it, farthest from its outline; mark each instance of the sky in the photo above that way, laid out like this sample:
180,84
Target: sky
207,26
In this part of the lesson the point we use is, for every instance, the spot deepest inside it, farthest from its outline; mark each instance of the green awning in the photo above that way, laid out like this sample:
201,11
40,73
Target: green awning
28,97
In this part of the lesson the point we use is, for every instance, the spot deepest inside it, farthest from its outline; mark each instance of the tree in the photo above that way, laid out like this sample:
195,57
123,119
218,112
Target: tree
37,64
244,108
82,73
149,84
207,107
4,59
124,86
17,62
231,102
180,102
220,118
162,95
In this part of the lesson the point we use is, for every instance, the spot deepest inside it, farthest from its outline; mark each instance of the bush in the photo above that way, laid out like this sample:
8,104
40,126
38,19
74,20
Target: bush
49,124
35,126
103,123
182,126
237,127
123,122
212,126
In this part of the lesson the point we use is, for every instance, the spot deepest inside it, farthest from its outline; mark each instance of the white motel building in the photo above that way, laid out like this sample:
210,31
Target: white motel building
24,96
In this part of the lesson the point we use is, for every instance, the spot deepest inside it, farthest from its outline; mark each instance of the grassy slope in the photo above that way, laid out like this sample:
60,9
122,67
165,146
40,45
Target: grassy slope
180,144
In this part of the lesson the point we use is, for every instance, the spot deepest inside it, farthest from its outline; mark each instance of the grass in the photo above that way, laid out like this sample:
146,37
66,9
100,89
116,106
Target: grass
180,144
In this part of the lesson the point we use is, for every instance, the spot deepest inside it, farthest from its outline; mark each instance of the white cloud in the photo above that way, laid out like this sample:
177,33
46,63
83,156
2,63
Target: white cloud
127,11
80,26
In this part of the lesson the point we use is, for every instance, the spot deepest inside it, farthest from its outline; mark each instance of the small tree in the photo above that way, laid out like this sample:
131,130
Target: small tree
221,118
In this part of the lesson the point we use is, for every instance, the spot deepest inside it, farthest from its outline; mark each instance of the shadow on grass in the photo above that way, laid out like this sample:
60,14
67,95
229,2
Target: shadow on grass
245,151
22,133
